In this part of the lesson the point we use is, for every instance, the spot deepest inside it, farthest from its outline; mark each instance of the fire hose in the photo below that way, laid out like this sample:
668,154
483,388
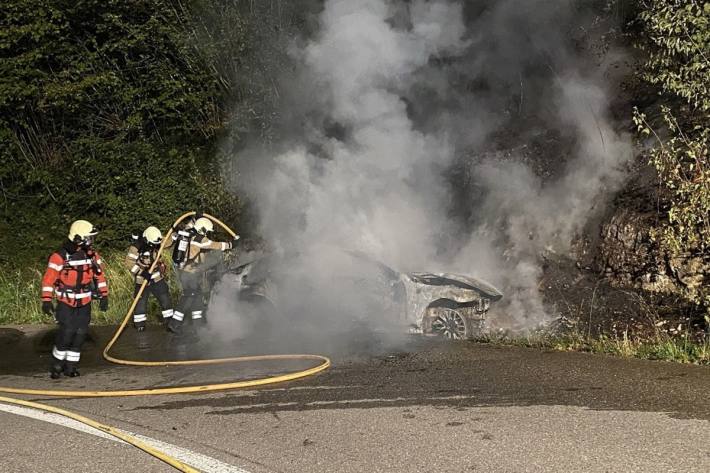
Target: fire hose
324,363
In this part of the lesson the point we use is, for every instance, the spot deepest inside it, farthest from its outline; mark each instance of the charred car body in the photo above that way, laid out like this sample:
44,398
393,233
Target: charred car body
449,305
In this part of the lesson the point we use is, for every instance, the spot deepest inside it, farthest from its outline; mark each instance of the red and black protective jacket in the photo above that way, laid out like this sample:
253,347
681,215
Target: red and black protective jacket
73,275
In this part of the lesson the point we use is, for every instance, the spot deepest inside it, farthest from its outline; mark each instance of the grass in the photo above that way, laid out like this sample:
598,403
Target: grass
20,295
681,348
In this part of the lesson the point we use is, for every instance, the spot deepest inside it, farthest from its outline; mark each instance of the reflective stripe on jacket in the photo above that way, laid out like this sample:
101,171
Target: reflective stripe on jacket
198,246
138,260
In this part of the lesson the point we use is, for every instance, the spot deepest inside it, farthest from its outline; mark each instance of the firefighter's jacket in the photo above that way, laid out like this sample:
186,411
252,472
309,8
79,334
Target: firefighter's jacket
195,260
73,275
140,258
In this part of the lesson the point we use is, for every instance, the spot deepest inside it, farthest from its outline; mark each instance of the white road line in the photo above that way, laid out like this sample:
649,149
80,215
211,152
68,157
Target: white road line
351,401
257,392
57,419
197,460
311,388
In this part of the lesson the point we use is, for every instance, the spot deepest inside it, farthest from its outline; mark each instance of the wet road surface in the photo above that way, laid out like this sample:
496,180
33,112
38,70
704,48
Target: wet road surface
419,406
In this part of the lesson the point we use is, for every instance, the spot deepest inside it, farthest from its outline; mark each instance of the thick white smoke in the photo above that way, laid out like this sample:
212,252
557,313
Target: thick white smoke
380,120
533,217
376,190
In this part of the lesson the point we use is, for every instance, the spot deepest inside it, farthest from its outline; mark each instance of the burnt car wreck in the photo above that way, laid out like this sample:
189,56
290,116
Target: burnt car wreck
435,304
446,304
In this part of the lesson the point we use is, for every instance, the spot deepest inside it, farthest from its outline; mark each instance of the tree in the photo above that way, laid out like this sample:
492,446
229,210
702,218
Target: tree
108,111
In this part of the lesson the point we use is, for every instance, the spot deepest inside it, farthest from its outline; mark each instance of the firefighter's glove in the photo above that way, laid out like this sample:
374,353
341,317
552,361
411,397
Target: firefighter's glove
145,274
103,304
47,307
232,244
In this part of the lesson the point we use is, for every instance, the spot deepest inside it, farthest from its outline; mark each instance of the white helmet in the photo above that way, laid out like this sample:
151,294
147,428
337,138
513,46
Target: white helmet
203,225
152,235
81,231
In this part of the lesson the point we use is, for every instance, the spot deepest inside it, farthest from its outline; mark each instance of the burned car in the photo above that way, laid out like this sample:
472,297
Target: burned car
439,304
446,304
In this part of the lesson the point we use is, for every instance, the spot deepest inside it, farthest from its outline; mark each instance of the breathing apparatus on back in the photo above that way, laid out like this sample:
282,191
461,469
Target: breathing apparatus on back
182,239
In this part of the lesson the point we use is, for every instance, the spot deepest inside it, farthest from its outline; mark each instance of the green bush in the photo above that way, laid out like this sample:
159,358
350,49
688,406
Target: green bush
675,35
109,112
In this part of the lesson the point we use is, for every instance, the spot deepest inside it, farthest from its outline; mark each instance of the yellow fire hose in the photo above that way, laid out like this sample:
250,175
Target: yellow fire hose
107,429
324,364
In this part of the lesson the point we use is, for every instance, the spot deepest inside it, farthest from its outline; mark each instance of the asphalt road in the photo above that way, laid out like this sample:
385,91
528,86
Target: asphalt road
418,407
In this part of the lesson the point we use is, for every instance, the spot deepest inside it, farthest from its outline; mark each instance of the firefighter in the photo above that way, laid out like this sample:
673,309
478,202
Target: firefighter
191,245
74,276
140,257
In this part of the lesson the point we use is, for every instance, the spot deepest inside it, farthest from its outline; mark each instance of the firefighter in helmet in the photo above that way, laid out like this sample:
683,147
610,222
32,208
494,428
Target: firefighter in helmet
140,257
191,248
74,276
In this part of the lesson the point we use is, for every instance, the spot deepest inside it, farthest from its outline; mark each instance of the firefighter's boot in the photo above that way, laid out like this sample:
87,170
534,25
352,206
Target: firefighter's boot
174,326
55,371
71,370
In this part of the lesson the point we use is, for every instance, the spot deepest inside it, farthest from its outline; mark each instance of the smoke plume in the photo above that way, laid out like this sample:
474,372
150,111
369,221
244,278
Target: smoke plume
405,134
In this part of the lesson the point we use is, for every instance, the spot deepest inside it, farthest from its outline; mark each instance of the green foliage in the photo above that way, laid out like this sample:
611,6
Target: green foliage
682,163
248,44
109,112
108,68
676,39
679,349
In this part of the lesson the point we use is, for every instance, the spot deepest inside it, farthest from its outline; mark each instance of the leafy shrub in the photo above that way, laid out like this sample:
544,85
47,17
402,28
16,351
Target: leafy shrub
109,112
675,35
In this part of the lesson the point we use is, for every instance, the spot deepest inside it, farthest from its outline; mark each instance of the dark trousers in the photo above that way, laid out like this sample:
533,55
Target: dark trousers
190,303
73,328
161,292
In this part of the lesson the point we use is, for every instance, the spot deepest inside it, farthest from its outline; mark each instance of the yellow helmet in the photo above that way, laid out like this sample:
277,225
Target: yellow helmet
152,235
81,231
203,225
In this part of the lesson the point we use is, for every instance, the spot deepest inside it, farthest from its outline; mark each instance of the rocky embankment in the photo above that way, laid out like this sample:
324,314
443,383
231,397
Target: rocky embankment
631,255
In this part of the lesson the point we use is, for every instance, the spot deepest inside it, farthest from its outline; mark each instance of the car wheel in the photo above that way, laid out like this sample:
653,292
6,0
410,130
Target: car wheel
451,324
